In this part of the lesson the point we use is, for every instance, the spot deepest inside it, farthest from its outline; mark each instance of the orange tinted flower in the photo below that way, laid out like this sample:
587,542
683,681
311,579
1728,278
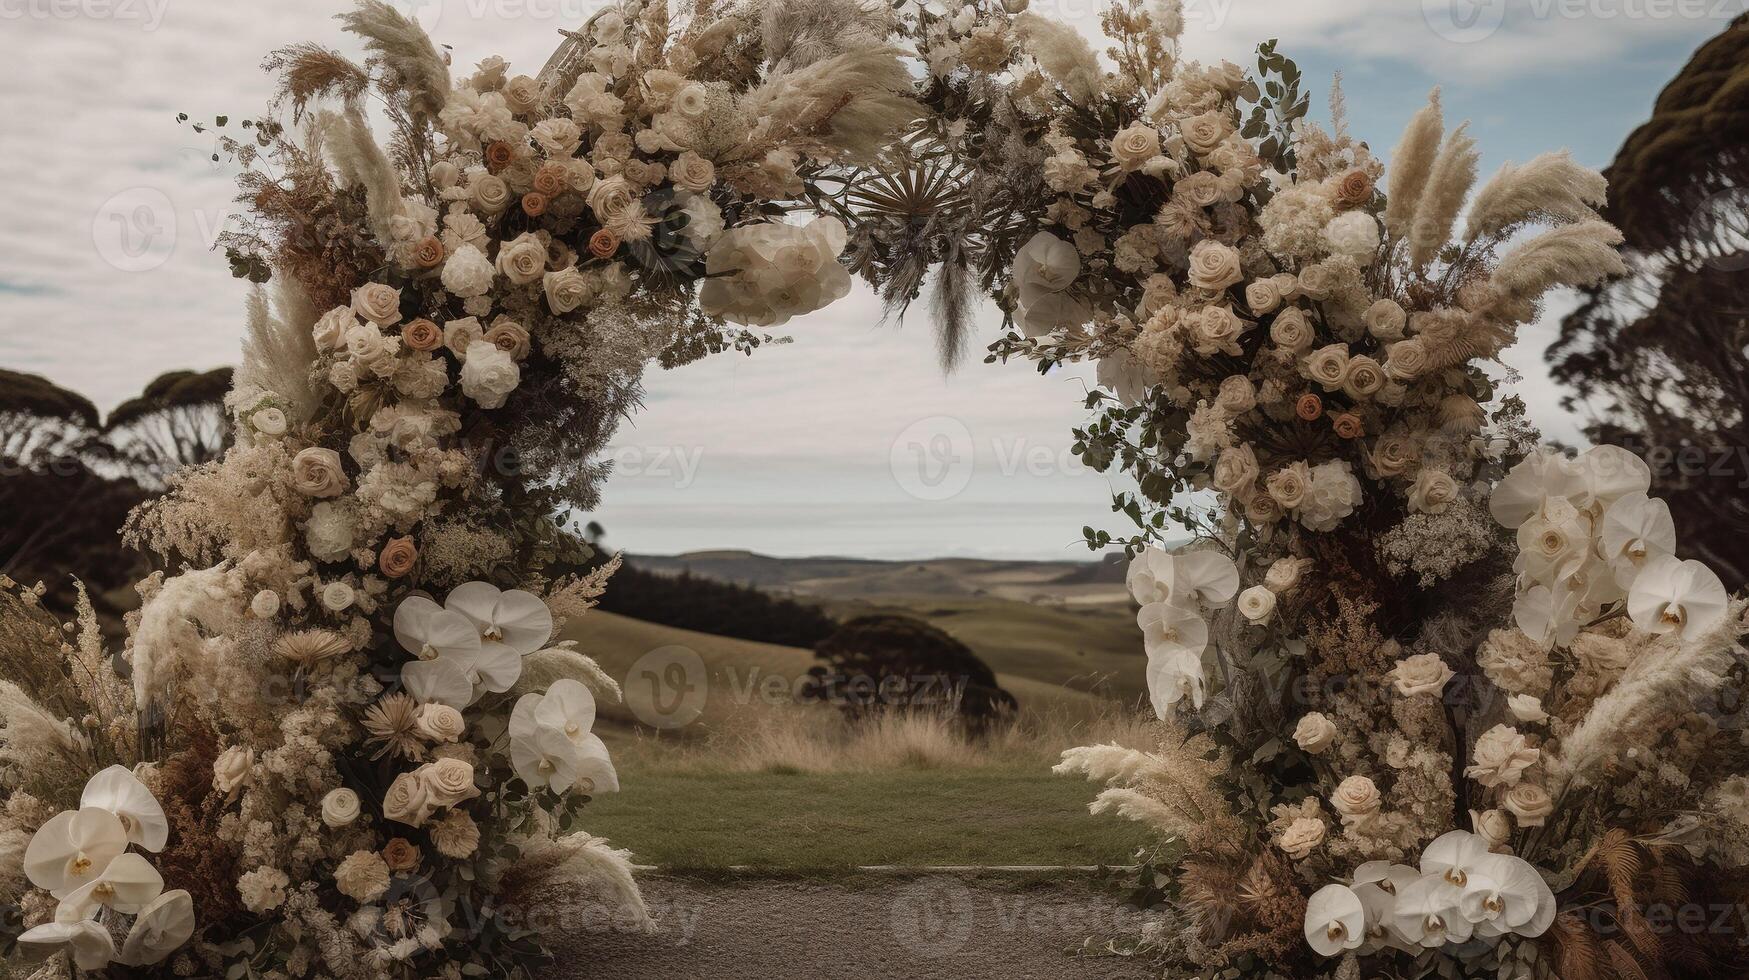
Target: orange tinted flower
603,244
422,334
499,154
428,254
1309,407
534,204
1349,426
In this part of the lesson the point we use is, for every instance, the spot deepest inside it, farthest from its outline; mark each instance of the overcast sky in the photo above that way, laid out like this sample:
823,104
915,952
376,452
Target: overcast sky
849,441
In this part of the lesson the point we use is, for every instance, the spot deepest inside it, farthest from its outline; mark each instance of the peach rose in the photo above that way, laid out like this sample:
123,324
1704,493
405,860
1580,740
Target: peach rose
1353,190
603,244
552,179
422,335
397,557
508,336
1309,406
401,854
534,204
1348,425
499,155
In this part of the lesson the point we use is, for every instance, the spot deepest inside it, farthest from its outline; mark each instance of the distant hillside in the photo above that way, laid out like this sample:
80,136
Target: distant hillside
863,578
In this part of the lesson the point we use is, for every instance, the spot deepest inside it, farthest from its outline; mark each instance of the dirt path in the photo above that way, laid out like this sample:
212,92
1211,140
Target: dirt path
940,926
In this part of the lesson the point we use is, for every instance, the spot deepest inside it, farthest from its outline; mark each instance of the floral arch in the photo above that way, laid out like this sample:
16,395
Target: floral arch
345,721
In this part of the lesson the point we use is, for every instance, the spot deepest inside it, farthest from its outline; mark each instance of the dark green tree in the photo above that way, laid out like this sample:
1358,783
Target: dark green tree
887,662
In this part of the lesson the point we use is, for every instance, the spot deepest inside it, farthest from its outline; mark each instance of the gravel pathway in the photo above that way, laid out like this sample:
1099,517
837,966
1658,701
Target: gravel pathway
916,927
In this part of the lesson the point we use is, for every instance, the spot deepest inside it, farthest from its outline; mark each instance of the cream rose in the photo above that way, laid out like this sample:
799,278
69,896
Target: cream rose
330,330
1215,330
1492,826
1356,798
1135,145
1501,756
1262,296
489,192
316,472
566,290
439,723
691,172
1385,320
1526,708
1406,360
1314,733
448,781
1433,491
408,800
522,94
340,808
1256,603
1288,485
1237,395
231,768
1203,133
1236,471
459,335
1530,803
1301,837
1392,455
1424,673
1290,330
377,302
522,260
1214,266
269,421
1284,574
1327,366
611,197
1364,377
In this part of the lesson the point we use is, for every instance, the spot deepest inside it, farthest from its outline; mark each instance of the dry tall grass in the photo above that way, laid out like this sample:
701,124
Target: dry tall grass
818,739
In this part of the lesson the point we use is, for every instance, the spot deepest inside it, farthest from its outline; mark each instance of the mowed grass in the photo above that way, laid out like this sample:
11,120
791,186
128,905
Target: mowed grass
821,822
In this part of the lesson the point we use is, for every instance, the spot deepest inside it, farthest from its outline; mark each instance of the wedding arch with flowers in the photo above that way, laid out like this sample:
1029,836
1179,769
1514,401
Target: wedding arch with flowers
342,740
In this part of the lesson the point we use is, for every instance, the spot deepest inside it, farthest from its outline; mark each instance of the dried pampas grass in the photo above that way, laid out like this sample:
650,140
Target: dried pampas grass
1575,255
1063,53
1448,184
798,33
278,349
1550,189
1411,163
359,160
573,868
402,48
848,104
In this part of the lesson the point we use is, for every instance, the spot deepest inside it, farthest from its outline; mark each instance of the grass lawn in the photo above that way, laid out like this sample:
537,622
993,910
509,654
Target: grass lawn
822,821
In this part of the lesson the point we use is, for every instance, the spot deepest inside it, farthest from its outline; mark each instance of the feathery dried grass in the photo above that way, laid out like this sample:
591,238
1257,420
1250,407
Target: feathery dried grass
401,47
798,33
309,73
576,868
1574,255
278,349
1550,189
847,105
1448,184
361,161
1063,53
1411,162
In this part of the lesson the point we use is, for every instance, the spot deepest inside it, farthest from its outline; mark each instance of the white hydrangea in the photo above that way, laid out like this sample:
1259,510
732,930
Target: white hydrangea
766,273
1332,495
489,375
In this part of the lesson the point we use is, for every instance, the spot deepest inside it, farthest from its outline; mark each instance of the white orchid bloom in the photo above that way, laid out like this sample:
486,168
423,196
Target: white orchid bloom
567,708
1182,579
1171,629
1507,895
428,631
1428,913
1554,542
1454,855
1548,615
1636,529
513,619
1605,474
88,943
119,791
544,757
440,681
160,929
1378,883
1537,478
1172,677
1672,595
126,885
1335,920
73,848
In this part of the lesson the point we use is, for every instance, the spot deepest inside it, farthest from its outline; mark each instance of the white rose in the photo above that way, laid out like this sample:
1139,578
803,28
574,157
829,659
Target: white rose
559,137
523,260
1256,603
439,722
1356,797
1526,708
1283,574
1433,491
691,172
1331,495
1134,145
1214,266
1423,673
1492,826
489,375
265,604
377,302
330,330
231,768
329,532
1385,320
1314,733
339,808
338,596
566,290
467,272
269,422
